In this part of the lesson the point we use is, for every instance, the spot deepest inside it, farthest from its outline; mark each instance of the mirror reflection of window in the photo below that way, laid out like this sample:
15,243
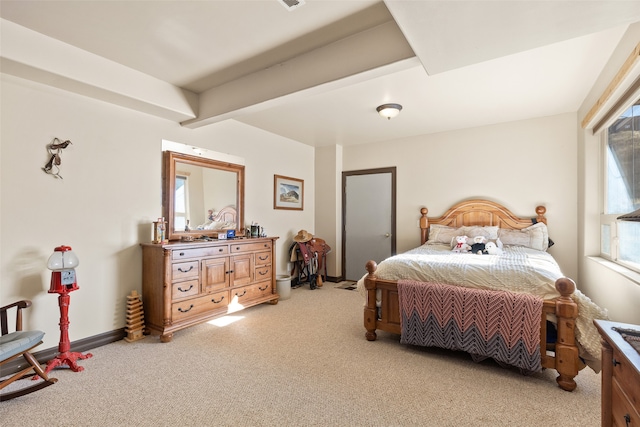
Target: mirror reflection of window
199,189
181,207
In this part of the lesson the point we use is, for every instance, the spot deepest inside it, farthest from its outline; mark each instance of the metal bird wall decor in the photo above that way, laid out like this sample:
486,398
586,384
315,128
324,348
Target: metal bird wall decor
53,165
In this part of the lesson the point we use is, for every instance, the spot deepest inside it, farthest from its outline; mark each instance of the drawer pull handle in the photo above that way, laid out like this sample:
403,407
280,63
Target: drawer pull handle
181,254
185,311
266,245
243,294
615,362
185,271
220,250
262,273
217,302
627,419
264,289
185,290
263,259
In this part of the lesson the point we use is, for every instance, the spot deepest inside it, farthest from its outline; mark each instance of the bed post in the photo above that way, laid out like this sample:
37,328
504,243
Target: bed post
424,225
370,309
540,211
566,356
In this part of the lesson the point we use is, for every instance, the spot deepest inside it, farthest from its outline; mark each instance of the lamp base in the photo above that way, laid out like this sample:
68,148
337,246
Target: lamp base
67,358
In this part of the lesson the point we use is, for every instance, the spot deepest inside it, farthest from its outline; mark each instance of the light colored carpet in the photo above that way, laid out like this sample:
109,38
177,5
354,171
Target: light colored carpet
302,362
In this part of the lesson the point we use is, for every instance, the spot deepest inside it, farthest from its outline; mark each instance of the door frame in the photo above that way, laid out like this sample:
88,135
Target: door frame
345,174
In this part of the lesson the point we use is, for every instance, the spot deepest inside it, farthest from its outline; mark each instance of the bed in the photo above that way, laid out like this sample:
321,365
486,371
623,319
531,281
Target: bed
514,305
225,219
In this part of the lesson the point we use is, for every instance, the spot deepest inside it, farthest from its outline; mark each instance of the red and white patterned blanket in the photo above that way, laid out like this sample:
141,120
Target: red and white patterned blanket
502,325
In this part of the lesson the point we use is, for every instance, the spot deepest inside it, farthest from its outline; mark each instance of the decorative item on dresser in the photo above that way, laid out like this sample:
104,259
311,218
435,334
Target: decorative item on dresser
620,374
184,284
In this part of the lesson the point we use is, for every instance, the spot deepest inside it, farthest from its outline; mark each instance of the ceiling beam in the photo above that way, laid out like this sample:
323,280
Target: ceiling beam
36,57
447,35
325,68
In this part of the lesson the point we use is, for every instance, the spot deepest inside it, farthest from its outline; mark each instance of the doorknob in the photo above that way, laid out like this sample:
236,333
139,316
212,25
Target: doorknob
387,235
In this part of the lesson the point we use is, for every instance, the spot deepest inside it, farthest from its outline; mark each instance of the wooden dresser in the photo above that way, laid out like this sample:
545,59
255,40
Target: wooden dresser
186,283
620,377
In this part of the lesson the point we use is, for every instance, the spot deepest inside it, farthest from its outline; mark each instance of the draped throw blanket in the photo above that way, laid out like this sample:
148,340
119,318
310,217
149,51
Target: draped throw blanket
502,325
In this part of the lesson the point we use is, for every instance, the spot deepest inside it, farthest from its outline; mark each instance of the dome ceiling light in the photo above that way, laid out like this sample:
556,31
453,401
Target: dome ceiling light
389,110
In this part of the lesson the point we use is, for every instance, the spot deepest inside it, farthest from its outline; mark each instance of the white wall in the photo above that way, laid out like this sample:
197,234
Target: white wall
519,164
606,287
328,221
110,194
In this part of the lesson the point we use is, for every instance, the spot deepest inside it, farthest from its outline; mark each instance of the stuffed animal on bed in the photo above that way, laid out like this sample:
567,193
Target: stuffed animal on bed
461,244
479,245
492,249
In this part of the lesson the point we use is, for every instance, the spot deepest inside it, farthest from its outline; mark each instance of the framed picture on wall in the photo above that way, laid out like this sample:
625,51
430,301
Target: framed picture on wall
288,193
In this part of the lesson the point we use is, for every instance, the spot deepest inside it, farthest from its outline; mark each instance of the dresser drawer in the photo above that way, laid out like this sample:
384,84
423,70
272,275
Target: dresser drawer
263,258
199,252
249,247
184,270
263,273
628,378
252,292
185,289
623,413
207,304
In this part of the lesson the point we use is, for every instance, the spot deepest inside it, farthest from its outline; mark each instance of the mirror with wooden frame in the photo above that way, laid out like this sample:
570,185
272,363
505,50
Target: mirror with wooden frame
200,196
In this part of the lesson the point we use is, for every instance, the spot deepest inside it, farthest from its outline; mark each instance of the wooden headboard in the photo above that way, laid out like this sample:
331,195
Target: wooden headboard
226,214
479,212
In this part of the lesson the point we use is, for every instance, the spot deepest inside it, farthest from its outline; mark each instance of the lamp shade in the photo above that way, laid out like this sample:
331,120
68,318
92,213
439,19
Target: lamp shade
62,258
389,110
632,216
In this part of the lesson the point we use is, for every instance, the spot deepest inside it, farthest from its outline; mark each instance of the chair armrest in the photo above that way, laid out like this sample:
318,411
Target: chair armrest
4,324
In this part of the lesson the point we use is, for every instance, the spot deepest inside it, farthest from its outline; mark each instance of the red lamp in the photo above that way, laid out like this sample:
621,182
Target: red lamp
63,280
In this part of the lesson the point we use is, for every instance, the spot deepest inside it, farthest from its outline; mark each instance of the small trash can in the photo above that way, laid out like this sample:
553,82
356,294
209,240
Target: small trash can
283,286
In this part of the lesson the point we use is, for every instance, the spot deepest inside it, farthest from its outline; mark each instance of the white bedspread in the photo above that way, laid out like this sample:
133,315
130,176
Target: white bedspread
517,269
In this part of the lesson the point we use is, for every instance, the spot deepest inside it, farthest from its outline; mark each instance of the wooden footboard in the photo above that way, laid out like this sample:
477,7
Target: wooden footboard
561,355
389,317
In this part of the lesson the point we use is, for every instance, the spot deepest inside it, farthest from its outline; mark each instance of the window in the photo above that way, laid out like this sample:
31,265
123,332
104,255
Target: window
620,240
181,203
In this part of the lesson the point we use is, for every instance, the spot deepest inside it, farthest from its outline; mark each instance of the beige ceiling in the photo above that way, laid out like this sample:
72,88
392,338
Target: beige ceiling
316,73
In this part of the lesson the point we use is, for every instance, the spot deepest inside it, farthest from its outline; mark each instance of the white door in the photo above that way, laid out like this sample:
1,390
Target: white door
368,219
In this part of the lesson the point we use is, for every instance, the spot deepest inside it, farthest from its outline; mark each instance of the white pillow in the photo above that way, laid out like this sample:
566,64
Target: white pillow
444,234
488,231
535,236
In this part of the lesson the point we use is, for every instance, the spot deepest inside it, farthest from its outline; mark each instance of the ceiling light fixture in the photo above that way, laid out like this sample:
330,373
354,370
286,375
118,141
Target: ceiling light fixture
291,4
389,110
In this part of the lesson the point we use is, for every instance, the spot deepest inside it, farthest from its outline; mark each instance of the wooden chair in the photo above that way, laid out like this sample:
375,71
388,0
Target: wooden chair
16,344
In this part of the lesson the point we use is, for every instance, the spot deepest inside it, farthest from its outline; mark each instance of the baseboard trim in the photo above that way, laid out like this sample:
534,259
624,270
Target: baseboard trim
295,282
79,346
